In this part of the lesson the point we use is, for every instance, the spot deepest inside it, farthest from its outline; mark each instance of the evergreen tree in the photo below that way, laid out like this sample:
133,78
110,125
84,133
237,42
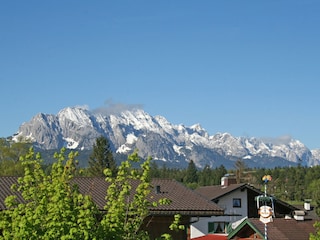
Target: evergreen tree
205,176
192,173
218,174
101,158
154,170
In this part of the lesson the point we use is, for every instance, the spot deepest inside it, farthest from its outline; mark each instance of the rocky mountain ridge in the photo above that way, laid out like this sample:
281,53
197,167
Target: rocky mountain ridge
77,128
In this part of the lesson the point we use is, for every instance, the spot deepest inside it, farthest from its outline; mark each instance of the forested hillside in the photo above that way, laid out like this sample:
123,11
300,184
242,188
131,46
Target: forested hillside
288,183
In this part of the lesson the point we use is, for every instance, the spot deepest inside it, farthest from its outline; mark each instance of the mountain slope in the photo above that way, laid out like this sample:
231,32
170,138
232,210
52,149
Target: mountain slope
78,128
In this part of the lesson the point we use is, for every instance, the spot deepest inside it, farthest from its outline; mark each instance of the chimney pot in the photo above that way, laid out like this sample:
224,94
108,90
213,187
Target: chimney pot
158,189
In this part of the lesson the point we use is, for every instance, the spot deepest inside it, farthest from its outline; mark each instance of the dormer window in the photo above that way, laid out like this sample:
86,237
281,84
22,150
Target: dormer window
236,202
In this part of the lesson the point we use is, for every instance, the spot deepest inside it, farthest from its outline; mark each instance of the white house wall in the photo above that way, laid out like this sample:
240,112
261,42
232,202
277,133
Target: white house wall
200,227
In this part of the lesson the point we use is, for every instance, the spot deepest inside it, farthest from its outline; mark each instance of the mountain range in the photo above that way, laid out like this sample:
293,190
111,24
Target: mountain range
77,128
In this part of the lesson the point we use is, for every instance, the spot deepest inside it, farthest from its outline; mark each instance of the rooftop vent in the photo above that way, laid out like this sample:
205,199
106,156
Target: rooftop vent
287,216
299,215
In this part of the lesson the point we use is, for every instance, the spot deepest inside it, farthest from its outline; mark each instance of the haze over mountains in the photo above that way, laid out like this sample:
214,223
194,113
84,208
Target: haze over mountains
78,128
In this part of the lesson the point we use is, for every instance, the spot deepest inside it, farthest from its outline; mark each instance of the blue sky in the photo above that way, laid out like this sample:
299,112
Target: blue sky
250,68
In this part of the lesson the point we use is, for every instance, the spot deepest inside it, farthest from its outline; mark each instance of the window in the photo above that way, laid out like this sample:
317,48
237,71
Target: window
217,227
237,202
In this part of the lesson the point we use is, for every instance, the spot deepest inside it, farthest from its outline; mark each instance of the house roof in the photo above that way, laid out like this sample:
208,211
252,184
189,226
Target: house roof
183,200
215,192
278,229
212,237
5,190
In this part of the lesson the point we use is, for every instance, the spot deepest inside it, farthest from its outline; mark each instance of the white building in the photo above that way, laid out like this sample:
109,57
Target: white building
238,202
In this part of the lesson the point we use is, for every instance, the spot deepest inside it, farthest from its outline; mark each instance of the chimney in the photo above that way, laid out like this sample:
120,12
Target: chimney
227,180
307,204
157,189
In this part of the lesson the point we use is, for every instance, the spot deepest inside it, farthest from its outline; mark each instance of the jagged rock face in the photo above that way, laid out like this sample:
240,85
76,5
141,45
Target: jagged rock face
78,128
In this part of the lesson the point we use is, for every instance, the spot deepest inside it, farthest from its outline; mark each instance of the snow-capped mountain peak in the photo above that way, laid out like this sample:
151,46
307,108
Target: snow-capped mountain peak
78,128
76,115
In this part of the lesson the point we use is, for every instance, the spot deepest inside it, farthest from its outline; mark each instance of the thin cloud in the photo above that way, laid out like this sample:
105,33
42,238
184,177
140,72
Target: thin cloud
112,108
86,107
284,139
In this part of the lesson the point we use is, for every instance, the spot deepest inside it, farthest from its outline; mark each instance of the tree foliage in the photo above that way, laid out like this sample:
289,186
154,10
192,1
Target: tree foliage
50,198
211,176
192,173
125,211
10,152
53,208
101,158
316,236
313,191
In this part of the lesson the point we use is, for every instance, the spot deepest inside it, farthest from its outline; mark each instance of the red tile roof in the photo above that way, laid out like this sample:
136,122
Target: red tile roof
211,237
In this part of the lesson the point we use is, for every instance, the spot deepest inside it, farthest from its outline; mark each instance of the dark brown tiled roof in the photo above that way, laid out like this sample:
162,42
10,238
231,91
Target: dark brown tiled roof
96,187
286,229
217,191
5,190
183,200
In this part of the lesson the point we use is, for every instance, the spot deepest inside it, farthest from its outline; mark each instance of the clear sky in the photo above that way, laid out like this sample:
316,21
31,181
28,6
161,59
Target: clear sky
250,68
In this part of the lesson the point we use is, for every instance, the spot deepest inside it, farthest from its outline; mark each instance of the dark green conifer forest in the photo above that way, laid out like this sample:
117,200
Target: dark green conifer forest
291,184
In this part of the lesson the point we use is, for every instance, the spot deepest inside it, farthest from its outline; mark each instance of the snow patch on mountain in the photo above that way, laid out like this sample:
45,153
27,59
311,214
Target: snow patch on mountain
71,144
78,128
131,138
123,149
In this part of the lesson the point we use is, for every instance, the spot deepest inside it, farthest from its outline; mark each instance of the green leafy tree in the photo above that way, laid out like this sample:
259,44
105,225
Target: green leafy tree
10,168
52,208
101,158
174,226
316,236
9,156
12,150
314,192
127,206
